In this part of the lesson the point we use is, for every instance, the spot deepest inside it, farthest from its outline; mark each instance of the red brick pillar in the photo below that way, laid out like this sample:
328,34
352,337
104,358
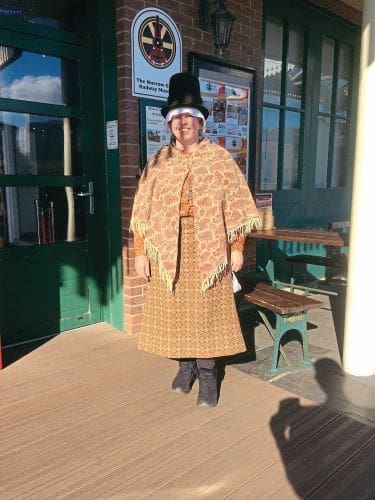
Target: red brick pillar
134,287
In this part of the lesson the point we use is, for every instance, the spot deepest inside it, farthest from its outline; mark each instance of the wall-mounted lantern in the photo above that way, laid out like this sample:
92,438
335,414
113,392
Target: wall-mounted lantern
215,12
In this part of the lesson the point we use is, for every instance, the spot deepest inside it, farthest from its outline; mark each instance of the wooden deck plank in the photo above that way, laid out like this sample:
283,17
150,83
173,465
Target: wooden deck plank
139,385
244,458
86,415
92,369
311,463
119,438
194,444
355,479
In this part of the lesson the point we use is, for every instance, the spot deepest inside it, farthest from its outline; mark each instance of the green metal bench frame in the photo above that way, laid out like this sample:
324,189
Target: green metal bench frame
290,313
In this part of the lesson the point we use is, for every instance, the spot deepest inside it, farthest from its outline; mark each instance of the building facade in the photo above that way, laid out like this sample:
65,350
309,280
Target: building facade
67,184
296,202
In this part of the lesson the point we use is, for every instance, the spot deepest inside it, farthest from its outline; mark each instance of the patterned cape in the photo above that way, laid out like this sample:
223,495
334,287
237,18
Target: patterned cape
223,208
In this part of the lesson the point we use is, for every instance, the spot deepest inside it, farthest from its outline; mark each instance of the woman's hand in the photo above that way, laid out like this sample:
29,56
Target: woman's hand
236,260
142,266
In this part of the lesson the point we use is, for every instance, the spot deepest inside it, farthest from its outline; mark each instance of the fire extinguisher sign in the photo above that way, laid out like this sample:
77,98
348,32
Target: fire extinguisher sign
156,53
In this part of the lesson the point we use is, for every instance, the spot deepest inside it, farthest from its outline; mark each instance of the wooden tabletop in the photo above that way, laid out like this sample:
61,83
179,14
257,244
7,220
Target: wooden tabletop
329,238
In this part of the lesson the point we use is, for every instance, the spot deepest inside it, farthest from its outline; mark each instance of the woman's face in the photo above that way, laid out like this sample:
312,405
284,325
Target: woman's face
186,128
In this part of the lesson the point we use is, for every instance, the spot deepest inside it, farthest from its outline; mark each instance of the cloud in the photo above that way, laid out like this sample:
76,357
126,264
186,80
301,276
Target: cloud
43,88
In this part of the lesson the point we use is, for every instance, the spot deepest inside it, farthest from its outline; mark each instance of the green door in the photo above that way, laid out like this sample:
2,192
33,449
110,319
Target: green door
49,232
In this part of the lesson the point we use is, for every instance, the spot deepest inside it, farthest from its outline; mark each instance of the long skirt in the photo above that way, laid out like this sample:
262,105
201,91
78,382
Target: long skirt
190,323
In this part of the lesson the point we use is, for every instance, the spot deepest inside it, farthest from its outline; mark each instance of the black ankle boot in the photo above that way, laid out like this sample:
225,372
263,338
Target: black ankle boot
185,377
208,387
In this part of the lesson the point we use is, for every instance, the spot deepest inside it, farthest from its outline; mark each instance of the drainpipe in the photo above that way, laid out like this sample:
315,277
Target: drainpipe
359,338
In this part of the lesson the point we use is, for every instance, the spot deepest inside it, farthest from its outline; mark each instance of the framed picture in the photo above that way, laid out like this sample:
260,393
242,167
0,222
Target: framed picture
228,92
153,131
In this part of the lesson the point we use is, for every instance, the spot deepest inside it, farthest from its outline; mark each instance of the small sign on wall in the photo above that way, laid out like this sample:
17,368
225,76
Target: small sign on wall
112,134
156,53
263,200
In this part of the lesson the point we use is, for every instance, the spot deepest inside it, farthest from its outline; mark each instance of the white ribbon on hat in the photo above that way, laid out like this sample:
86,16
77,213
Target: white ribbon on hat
188,110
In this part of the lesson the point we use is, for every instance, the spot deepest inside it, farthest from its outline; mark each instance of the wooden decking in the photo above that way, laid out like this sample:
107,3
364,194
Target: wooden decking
88,416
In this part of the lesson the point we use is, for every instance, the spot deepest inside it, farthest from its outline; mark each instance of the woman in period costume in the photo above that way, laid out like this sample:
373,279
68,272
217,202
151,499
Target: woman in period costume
191,213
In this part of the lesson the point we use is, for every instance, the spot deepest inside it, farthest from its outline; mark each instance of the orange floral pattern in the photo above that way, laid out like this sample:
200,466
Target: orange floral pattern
186,210
223,208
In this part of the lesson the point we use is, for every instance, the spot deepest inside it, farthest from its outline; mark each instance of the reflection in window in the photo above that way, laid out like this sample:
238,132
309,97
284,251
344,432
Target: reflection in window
273,60
31,76
270,149
295,68
39,216
343,80
291,150
34,145
340,157
321,165
69,15
326,75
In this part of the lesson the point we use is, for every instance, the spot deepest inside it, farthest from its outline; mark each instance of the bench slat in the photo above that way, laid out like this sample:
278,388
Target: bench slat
280,301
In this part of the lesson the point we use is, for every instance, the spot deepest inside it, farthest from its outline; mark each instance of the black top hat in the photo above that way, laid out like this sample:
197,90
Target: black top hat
184,91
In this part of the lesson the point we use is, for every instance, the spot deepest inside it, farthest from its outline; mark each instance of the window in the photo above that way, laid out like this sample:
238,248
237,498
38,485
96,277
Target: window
334,114
307,98
283,107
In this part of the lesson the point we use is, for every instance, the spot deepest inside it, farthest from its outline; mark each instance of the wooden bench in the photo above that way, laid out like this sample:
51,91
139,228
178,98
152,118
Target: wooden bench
335,260
290,313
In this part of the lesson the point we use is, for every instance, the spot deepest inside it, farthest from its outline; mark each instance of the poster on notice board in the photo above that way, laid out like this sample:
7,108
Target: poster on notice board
228,121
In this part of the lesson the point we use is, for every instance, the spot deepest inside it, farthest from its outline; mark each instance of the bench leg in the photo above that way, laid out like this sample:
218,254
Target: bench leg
283,325
272,332
280,329
305,343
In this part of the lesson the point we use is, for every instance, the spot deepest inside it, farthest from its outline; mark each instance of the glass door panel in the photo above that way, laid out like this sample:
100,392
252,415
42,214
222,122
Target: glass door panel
36,77
326,75
295,68
270,149
291,150
273,61
41,215
333,114
39,145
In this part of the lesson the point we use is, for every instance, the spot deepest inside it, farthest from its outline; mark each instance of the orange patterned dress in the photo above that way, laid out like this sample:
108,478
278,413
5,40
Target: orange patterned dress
189,323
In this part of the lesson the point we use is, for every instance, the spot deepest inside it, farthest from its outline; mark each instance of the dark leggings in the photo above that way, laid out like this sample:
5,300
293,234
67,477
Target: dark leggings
206,363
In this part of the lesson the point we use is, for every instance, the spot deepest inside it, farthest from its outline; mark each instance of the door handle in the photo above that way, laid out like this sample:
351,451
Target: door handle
90,194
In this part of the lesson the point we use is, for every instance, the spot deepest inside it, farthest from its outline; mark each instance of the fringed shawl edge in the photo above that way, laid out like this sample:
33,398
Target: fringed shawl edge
137,226
220,270
153,253
252,223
